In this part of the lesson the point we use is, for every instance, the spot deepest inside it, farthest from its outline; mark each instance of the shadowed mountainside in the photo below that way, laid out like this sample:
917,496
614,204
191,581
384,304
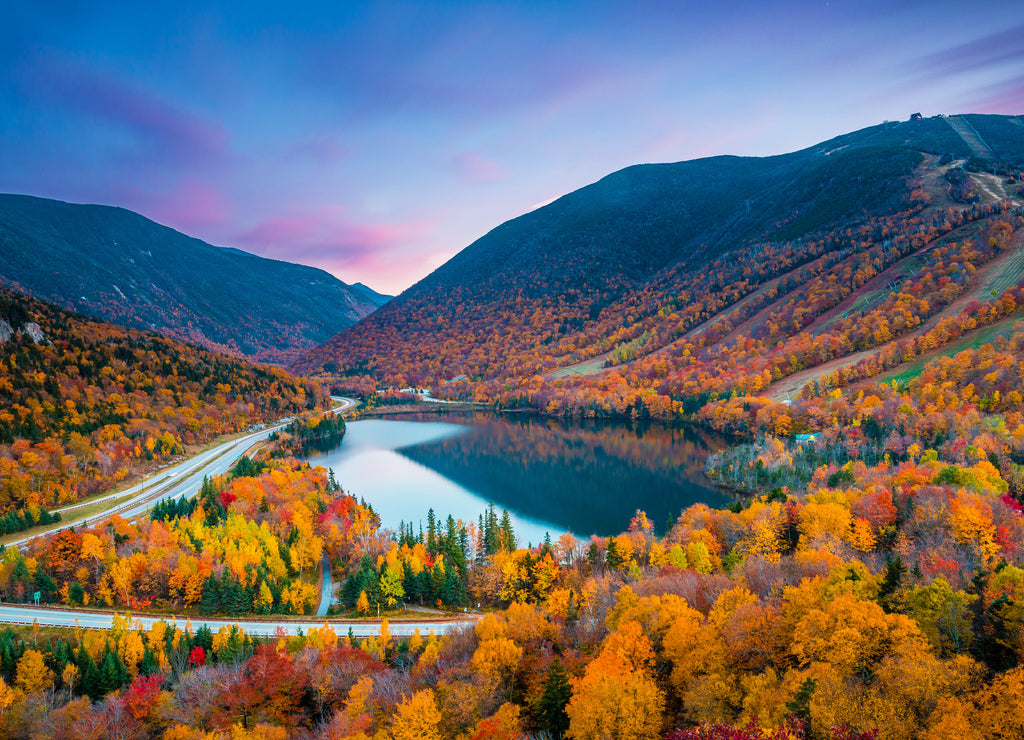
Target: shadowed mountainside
119,266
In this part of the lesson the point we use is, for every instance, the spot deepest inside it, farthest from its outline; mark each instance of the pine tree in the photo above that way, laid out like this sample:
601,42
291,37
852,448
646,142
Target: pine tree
480,544
89,673
453,548
148,666
800,706
431,532
453,592
555,696
113,674
611,554
895,571
210,602
492,536
508,535
438,577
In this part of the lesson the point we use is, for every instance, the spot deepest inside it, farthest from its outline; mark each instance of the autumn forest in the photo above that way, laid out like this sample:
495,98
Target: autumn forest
851,316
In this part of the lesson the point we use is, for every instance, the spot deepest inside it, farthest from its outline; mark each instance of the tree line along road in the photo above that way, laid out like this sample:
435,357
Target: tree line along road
183,480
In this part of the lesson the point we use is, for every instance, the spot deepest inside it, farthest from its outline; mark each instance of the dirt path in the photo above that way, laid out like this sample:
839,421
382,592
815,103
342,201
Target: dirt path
933,181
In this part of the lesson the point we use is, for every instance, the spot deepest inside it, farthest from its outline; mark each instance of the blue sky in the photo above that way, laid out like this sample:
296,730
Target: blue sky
376,140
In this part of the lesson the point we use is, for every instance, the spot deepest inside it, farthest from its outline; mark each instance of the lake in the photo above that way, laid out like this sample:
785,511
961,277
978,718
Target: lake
584,477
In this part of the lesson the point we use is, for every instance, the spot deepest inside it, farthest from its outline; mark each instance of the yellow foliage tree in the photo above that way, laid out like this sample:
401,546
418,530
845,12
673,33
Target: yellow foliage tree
612,700
32,673
417,718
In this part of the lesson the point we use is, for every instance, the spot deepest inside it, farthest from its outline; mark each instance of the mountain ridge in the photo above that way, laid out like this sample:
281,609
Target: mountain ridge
120,266
638,260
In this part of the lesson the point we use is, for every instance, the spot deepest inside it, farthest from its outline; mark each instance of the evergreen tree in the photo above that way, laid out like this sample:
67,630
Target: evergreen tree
612,557
452,546
208,495
492,535
593,556
431,532
423,586
438,577
203,638
89,674
800,706
9,655
508,535
149,665
113,674
480,544
44,584
210,602
550,709
895,571
453,592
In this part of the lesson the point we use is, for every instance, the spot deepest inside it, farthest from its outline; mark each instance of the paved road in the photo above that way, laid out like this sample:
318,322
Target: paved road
183,479
326,590
103,620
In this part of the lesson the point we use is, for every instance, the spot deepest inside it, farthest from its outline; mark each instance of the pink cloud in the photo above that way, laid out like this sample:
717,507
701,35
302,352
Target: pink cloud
194,205
475,167
388,273
1005,97
386,256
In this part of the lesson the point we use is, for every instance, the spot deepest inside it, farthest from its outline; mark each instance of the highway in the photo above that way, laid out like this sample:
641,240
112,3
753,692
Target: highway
103,620
182,480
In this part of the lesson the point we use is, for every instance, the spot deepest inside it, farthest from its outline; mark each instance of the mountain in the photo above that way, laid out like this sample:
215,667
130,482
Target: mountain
119,266
631,269
85,403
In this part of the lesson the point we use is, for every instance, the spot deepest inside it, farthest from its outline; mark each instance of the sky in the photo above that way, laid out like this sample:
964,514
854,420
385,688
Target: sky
375,140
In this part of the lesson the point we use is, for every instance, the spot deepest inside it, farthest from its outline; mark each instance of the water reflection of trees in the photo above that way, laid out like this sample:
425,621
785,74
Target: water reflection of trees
585,476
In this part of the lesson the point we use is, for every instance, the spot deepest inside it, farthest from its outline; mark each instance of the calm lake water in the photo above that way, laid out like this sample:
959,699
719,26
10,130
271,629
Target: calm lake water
552,476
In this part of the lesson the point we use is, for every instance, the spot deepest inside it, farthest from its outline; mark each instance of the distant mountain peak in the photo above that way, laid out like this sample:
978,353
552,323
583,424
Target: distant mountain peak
119,266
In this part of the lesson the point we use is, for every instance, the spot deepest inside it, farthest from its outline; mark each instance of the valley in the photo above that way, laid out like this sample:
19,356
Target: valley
735,449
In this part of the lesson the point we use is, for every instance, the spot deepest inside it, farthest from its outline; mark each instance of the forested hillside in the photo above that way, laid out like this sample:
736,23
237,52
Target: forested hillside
870,587
121,267
84,404
866,582
664,282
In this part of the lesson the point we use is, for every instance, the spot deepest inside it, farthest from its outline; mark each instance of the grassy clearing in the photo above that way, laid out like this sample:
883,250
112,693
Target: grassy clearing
907,372
99,508
587,367
1007,277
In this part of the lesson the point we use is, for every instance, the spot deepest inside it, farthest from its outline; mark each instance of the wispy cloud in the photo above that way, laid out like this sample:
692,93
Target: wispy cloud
1001,97
996,49
157,131
330,238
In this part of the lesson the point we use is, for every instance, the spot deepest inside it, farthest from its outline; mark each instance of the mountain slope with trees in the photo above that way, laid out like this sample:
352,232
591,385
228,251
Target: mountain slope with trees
119,266
85,404
660,277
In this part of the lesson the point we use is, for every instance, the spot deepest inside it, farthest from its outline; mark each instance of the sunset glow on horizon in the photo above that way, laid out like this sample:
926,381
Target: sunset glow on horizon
377,140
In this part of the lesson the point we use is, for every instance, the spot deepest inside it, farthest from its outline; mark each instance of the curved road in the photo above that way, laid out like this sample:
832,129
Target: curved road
183,480
326,588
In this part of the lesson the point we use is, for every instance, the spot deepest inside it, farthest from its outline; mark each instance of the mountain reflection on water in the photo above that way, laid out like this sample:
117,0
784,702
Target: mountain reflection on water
586,477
